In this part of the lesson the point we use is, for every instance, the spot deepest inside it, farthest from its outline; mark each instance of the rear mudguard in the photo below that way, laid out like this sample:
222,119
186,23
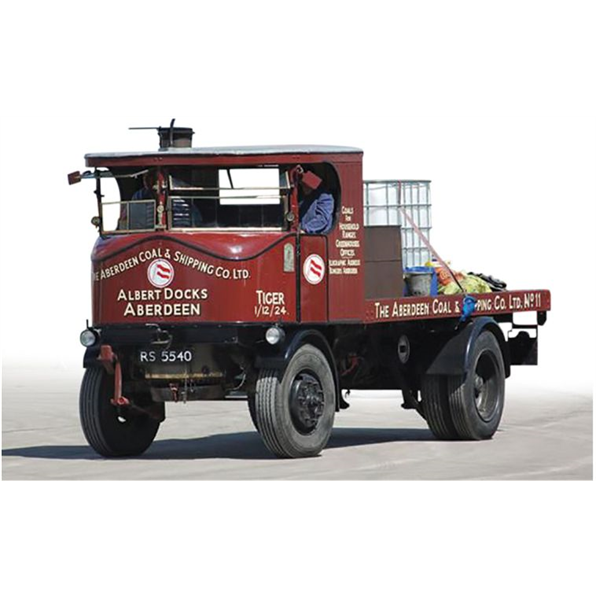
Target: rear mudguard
454,356
278,357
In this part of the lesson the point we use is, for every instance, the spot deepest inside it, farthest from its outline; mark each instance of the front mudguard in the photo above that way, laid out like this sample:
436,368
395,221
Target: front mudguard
91,357
278,357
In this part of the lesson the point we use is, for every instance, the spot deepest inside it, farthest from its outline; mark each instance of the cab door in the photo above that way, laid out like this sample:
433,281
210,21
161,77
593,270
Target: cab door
312,272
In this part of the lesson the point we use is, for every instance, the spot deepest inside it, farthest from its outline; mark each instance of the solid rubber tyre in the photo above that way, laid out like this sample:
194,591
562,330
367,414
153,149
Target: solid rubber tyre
477,399
275,419
435,405
110,431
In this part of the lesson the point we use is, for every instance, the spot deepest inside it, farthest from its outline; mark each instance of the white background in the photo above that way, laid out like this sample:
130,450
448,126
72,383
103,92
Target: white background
513,197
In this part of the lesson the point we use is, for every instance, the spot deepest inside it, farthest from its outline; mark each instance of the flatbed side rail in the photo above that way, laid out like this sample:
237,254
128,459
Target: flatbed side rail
445,307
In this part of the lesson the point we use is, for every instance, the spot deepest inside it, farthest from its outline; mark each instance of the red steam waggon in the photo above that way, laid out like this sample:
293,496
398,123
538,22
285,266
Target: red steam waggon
206,287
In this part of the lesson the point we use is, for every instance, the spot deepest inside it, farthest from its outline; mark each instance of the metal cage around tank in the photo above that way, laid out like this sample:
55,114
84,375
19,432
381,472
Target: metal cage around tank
383,200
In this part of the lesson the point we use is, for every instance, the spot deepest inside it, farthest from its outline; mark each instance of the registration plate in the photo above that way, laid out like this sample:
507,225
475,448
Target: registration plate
165,356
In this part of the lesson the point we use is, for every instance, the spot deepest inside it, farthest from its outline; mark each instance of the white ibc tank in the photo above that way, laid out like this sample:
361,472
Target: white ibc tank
382,199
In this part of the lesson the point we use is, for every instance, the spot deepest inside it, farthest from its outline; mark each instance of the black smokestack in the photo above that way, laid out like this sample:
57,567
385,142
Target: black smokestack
174,136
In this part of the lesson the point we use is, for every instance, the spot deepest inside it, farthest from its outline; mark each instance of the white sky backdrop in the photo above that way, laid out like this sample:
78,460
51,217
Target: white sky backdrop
512,196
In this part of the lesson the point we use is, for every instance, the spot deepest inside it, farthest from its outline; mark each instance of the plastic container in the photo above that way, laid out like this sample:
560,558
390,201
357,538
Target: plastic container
421,281
383,202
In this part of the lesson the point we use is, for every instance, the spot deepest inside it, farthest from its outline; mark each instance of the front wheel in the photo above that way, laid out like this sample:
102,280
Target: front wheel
252,410
295,411
112,431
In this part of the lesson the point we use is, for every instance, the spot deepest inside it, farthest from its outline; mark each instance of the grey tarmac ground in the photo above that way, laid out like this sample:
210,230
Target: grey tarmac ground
545,434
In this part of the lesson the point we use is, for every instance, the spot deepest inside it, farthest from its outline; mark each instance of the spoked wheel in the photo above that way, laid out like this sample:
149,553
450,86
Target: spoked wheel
295,412
476,400
112,431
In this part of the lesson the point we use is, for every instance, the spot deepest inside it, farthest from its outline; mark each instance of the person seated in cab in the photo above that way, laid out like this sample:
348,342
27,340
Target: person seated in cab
140,216
316,205
185,214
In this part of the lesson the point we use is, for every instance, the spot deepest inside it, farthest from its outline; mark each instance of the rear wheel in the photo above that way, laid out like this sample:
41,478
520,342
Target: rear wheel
435,405
112,431
477,399
295,411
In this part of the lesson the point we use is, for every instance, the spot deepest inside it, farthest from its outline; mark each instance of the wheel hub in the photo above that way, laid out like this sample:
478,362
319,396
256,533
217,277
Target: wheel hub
478,386
307,402
485,386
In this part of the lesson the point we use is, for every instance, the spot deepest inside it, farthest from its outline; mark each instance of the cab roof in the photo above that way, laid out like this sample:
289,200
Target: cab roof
235,151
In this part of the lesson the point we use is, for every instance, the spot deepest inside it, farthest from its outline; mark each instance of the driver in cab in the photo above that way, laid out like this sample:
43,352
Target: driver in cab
316,205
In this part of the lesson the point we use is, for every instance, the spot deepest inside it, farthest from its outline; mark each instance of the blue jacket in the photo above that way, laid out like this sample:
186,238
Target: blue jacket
316,213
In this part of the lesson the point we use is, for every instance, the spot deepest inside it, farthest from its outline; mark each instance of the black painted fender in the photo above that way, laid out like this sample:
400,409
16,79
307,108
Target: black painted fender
278,358
454,356
91,356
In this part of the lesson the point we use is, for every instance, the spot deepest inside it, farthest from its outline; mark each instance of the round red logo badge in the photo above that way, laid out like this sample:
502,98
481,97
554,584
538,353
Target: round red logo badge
314,269
160,273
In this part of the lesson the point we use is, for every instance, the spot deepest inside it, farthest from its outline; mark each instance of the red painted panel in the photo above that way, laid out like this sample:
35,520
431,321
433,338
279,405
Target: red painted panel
236,245
313,279
167,279
346,249
444,307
